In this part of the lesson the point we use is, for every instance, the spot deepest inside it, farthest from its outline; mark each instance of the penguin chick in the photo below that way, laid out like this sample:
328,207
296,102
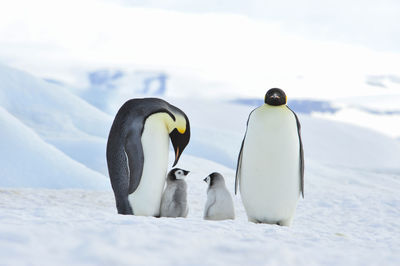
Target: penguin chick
219,204
173,202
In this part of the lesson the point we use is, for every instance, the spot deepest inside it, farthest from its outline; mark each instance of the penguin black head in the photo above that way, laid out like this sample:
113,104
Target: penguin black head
180,138
177,173
275,97
214,179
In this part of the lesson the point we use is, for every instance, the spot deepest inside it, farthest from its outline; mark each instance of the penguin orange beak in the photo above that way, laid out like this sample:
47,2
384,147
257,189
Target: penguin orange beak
177,155
179,142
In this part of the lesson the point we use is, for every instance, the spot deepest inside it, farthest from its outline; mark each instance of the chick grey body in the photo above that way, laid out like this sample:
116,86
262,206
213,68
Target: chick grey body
174,199
137,152
219,204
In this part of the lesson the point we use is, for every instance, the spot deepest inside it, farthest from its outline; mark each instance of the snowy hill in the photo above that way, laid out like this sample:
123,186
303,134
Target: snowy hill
28,161
59,117
106,87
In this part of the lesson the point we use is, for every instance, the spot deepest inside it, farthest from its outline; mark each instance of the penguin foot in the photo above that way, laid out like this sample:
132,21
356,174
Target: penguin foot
125,212
124,207
254,221
286,222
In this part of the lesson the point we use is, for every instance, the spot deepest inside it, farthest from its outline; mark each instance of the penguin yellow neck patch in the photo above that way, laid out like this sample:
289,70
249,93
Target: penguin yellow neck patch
179,123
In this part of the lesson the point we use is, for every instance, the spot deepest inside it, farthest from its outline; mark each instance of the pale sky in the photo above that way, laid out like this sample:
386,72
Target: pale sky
311,50
370,23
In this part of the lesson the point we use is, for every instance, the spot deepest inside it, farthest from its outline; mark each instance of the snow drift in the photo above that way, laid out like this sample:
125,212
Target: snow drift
58,116
28,161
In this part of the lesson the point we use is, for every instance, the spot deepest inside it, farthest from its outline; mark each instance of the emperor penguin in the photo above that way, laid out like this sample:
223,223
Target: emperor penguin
137,152
174,199
219,204
270,167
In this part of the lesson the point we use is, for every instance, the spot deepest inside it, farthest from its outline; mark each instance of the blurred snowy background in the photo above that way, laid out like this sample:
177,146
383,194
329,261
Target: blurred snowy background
67,66
343,53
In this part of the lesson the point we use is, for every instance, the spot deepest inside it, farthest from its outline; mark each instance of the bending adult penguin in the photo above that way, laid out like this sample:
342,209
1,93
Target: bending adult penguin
137,152
270,168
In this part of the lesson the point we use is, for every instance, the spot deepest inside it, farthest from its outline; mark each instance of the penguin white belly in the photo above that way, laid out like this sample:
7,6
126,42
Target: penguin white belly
270,176
146,199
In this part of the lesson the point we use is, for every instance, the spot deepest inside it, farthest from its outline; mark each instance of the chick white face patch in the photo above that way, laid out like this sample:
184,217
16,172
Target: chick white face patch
180,174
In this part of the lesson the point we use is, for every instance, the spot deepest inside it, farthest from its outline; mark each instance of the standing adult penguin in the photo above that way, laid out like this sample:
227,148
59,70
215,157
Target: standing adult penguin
137,152
270,168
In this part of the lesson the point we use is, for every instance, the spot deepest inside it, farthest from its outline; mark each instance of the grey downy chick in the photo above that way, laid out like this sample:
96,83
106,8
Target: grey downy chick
174,199
219,204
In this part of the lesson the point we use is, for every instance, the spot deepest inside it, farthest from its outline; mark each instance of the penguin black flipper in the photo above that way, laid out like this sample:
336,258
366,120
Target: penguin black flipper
239,161
134,153
121,149
238,166
301,154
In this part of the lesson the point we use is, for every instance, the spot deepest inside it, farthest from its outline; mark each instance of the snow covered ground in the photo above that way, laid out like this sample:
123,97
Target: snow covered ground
349,217
57,207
